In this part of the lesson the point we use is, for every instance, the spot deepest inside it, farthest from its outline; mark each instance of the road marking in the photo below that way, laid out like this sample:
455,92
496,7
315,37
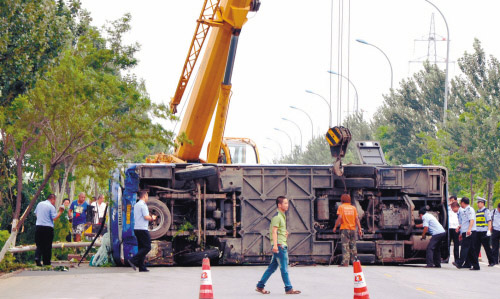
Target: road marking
388,275
426,291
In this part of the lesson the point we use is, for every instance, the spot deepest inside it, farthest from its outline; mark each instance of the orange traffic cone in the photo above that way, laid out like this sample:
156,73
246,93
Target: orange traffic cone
360,289
206,291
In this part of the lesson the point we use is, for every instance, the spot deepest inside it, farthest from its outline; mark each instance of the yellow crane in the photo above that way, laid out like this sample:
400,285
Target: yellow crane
212,87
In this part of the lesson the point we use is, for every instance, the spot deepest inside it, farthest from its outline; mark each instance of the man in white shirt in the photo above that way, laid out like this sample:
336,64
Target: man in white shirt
467,228
99,207
452,228
495,233
141,226
45,213
432,225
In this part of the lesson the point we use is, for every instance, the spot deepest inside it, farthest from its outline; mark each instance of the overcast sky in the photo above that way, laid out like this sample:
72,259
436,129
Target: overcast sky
284,49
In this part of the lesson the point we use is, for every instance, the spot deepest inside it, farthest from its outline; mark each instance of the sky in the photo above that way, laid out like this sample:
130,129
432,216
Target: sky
288,46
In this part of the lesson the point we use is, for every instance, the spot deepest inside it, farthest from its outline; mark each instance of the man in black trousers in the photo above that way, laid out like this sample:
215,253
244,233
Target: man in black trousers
141,223
495,233
45,213
432,225
483,230
467,228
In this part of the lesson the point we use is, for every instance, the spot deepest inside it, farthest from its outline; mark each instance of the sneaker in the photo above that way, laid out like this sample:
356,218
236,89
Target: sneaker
143,270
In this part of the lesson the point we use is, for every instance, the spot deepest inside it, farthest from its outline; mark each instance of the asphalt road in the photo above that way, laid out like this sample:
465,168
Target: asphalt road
239,282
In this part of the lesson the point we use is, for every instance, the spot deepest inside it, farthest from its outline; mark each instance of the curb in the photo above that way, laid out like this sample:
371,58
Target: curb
10,274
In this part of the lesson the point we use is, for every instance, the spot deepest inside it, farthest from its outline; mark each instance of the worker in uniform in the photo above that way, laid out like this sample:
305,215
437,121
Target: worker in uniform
45,213
141,225
347,218
278,235
495,233
432,225
467,228
483,228
452,228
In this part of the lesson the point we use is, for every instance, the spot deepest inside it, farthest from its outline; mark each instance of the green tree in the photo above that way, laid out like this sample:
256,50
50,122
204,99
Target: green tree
82,108
469,143
361,130
415,107
317,151
33,34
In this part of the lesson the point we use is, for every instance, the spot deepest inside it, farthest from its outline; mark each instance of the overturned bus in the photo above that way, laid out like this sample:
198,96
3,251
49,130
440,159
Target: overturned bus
224,211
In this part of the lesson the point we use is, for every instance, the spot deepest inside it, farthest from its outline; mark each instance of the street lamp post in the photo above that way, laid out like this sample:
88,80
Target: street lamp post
289,138
445,105
271,150
298,127
390,64
279,144
355,90
329,107
312,125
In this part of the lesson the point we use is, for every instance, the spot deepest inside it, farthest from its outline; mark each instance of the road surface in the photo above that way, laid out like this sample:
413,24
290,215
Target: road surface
411,281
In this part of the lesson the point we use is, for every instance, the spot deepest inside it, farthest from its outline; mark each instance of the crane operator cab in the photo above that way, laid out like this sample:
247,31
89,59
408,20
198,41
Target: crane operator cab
238,151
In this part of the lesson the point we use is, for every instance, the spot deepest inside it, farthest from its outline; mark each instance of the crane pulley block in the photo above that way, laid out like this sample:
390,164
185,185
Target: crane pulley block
338,138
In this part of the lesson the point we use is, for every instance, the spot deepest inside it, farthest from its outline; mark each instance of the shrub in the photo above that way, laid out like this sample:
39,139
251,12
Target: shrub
8,264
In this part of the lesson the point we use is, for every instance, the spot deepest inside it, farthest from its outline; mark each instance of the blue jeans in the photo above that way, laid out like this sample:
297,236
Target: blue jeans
279,259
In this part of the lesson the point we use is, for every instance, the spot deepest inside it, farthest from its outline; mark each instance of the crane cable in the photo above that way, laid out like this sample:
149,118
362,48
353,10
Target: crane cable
340,49
331,55
348,53
185,102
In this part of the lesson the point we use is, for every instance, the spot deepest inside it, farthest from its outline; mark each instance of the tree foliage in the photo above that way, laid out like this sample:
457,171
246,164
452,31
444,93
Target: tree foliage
415,107
82,108
34,32
317,151
410,126
469,143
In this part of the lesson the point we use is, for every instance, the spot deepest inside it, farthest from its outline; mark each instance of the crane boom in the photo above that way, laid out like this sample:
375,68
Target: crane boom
212,85
203,24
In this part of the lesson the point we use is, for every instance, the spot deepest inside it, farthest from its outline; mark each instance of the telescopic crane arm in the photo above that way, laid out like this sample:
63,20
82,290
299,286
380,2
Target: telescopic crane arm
207,15
213,83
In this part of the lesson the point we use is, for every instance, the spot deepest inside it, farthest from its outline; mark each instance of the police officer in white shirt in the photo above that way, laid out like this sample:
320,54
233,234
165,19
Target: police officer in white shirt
483,228
452,228
467,228
495,233
431,224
